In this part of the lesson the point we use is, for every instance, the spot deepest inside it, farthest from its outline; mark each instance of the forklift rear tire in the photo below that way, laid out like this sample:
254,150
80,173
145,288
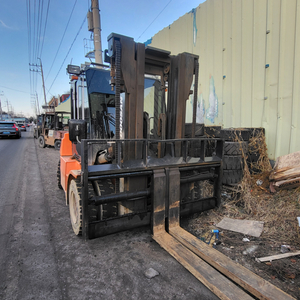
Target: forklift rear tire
75,206
57,145
42,141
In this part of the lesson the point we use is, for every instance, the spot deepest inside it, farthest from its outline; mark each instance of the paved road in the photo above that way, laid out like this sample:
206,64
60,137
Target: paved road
41,258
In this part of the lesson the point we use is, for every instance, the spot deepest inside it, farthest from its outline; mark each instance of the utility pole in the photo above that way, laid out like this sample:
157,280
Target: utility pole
7,106
42,73
37,103
43,80
95,27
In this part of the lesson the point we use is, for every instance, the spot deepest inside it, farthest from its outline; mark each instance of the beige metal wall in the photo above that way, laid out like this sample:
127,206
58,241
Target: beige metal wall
249,65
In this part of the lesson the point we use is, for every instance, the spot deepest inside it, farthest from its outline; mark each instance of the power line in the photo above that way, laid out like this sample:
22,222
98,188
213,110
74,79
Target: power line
29,38
45,28
34,36
36,27
14,89
61,39
41,7
155,19
68,52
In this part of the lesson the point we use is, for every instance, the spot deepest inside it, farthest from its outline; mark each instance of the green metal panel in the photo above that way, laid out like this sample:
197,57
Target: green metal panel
295,128
259,55
202,46
249,60
286,76
272,73
227,64
218,57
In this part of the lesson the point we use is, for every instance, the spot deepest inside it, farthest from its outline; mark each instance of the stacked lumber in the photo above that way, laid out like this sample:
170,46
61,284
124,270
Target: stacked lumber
286,173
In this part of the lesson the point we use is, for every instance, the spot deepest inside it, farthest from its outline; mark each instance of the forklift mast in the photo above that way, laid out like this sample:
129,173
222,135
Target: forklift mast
128,129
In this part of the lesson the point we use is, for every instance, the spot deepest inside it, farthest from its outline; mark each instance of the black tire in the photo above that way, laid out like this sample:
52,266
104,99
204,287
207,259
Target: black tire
235,148
199,130
232,176
233,162
232,135
256,131
94,211
213,131
58,176
253,157
57,145
75,206
41,141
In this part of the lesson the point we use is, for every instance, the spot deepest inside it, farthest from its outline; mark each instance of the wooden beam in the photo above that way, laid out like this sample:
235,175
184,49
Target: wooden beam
277,256
287,174
211,278
287,184
251,282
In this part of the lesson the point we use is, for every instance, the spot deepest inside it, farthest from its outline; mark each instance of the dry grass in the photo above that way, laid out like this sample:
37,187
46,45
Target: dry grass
251,201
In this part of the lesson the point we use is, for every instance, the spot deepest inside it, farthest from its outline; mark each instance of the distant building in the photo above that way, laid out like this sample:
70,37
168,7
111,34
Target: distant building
54,102
65,105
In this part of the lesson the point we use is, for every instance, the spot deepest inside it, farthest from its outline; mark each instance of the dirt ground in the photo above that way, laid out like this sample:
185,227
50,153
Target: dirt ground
283,273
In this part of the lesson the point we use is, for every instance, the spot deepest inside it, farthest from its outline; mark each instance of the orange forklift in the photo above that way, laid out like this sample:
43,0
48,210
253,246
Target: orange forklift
128,123
127,162
51,127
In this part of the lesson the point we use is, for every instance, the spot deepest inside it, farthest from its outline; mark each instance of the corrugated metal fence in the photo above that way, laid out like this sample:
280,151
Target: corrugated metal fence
249,65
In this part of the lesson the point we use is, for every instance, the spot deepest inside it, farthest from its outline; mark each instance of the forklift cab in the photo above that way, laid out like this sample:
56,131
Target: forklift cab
93,100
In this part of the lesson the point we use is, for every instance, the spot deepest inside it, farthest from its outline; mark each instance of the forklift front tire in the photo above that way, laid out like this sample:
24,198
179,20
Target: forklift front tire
41,141
75,206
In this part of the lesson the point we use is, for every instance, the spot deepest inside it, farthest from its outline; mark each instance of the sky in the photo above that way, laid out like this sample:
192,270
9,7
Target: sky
30,35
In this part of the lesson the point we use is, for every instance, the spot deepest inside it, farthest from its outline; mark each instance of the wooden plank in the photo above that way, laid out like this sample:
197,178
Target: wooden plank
253,228
256,285
287,184
287,174
211,278
278,256
282,170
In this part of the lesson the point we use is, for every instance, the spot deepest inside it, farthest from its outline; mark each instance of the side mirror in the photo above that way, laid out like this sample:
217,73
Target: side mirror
77,130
